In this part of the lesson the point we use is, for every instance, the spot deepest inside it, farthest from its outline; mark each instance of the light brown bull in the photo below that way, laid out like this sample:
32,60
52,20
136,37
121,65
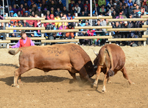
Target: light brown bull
110,60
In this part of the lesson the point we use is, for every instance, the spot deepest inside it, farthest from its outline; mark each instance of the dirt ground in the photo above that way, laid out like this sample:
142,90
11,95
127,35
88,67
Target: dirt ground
57,92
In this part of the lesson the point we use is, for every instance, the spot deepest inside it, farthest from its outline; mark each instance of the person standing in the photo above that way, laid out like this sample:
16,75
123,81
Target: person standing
23,42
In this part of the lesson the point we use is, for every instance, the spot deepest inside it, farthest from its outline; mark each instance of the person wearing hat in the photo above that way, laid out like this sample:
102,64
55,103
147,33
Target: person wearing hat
23,42
11,13
12,34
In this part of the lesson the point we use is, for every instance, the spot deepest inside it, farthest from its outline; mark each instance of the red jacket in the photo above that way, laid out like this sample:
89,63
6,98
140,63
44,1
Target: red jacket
28,43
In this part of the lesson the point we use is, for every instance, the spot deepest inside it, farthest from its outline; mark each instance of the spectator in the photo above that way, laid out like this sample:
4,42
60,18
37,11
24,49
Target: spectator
58,11
78,9
11,13
19,14
52,11
26,14
39,11
87,4
83,41
14,8
130,3
73,11
114,15
19,25
50,36
80,5
57,24
62,27
60,5
72,4
23,12
65,10
120,16
69,17
70,35
52,4
90,32
12,34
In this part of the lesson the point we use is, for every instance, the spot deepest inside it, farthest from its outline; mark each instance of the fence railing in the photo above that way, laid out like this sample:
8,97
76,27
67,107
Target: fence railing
76,29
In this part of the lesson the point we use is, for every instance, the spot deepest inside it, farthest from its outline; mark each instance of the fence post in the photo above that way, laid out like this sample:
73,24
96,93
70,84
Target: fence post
42,34
110,25
7,34
144,43
76,15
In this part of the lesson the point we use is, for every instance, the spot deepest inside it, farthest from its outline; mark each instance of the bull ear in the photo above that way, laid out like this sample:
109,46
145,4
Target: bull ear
95,53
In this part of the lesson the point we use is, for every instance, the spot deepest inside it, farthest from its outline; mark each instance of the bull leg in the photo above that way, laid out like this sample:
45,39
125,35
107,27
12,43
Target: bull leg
125,75
16,75
73,75
105,80
19,80
108,80
97,76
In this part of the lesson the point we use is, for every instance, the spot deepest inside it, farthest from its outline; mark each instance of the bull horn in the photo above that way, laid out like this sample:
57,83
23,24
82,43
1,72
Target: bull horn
95,53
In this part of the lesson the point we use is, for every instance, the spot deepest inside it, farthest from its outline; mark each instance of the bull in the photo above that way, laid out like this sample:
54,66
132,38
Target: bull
110,60
69,57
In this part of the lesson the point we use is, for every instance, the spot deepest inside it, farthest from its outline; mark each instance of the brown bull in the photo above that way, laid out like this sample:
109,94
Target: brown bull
110,60
69,57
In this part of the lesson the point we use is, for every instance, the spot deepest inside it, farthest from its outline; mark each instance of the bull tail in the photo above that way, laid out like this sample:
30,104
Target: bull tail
12,52
110,72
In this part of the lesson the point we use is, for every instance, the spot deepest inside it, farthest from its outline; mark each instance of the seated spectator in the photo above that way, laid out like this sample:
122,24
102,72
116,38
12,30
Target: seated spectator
12,32
23,11
39,11
70,35
78,9
65,10
86,11
83,41
114,15
69,17
19,25
57,24
73,11
90,32
11,13
52,11
102,10
19,14
58,11
87,5
14,8
60,5
72,4
120,16
62,27
80,4
50,36
26,14
101,2
130,3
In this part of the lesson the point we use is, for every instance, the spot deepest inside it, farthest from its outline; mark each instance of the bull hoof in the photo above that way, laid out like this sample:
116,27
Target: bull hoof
109,82
103,91
17,86
94,85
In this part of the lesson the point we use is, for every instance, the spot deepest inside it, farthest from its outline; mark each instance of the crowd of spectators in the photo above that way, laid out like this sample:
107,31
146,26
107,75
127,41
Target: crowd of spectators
55,10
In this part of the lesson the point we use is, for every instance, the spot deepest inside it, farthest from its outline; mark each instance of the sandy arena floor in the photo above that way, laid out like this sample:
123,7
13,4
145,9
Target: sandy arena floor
57,92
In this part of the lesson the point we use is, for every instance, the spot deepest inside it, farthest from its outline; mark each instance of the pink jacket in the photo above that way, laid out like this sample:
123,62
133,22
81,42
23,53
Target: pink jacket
90,33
